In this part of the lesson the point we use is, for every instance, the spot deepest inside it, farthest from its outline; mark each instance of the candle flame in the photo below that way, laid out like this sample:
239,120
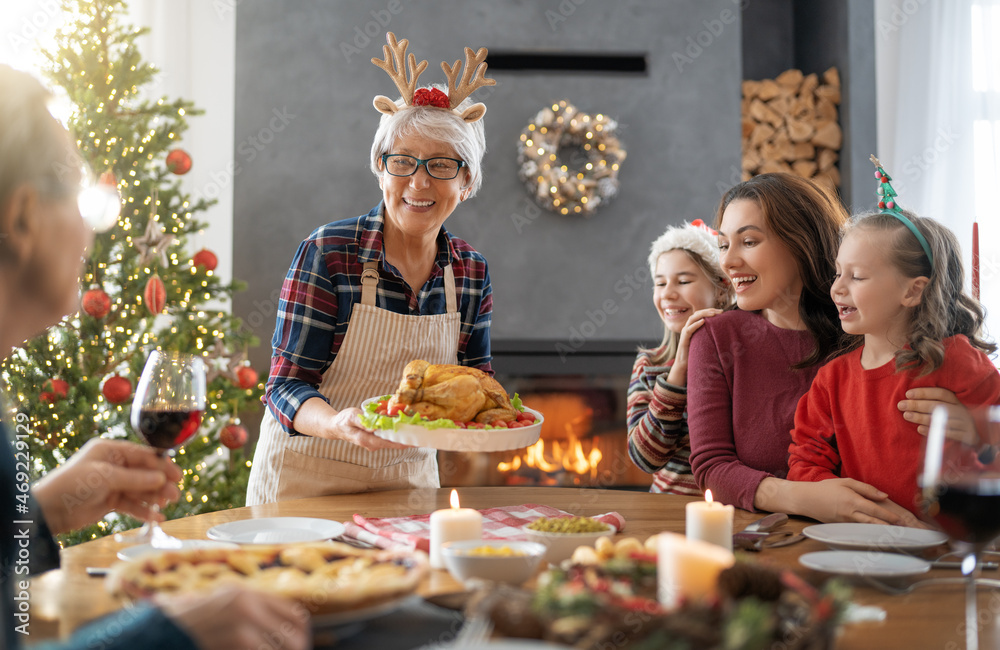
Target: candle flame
454,498
708,495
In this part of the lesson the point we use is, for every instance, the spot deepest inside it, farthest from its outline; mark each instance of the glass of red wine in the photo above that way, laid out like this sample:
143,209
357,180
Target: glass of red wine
166,413
960,485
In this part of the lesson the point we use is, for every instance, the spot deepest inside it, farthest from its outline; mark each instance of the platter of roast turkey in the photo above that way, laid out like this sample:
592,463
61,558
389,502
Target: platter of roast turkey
453,408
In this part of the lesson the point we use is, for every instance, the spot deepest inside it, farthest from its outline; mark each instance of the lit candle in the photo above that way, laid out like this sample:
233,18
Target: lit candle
688,570
452,525
975,260
710,521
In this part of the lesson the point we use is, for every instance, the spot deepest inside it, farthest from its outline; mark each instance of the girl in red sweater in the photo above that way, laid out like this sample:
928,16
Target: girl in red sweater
898,289
688,287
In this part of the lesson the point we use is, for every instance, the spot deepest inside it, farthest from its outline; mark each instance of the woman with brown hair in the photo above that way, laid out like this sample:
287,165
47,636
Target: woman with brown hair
778,239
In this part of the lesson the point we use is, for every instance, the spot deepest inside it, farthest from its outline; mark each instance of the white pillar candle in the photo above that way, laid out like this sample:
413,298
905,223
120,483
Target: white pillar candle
687,569
710,521
451,525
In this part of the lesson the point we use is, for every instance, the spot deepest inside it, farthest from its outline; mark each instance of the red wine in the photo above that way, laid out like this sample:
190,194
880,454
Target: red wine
165,429
970,512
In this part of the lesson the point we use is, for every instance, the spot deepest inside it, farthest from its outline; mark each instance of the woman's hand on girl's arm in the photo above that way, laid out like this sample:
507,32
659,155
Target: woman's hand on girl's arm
921,402
833,500
678,371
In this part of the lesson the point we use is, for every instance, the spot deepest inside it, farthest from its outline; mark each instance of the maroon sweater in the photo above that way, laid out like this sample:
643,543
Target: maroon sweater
742,395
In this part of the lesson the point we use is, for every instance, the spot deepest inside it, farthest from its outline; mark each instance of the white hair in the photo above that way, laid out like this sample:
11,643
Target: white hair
468,140
31,150
694,239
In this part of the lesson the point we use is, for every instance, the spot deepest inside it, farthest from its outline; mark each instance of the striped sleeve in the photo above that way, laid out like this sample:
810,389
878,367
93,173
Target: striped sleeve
657,429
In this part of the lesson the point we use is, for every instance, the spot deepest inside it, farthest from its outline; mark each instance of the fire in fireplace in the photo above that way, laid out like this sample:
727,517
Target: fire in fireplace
583,440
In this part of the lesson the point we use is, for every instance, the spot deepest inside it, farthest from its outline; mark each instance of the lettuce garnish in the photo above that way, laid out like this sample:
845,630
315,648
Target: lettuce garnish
373,420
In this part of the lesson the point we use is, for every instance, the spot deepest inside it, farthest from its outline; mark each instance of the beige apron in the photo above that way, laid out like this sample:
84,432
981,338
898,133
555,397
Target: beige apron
378,345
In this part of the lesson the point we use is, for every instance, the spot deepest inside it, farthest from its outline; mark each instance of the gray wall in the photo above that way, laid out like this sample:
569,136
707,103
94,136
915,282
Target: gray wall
304,123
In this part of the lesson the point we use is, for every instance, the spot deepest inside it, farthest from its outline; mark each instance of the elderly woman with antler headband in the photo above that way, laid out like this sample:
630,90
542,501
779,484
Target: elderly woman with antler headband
365,296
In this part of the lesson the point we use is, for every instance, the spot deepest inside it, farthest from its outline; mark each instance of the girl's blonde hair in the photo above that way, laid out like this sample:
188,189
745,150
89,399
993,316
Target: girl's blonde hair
703,249
944,309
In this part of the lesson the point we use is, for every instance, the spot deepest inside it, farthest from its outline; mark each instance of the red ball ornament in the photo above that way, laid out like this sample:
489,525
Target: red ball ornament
117,389
53,389
881,205
96,303
179,161
246,377
155,295
205,259
233,435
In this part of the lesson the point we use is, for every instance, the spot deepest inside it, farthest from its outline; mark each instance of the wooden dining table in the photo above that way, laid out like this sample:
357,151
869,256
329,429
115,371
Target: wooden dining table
929,617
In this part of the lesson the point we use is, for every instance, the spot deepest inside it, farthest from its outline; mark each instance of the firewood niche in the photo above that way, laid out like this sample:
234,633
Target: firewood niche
790,125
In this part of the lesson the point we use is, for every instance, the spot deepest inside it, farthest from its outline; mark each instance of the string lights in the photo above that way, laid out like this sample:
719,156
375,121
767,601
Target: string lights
569,160
97,63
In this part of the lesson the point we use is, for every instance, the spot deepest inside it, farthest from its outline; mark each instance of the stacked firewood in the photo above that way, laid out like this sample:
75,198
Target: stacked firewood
790,125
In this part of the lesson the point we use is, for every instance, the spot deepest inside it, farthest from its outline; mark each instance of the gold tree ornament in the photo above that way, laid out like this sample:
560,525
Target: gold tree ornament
154,242
404,71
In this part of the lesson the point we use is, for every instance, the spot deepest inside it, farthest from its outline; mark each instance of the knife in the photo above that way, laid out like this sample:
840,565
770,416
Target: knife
752,537
948,564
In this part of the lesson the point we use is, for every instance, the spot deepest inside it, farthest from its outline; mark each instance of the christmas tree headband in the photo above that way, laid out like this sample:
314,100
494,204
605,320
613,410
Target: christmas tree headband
396,65
887,205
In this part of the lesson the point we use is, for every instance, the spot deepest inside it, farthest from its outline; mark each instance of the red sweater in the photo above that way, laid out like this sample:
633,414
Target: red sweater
848,425
742,394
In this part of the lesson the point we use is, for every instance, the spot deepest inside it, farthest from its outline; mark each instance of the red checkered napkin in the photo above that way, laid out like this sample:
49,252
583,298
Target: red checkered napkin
498,523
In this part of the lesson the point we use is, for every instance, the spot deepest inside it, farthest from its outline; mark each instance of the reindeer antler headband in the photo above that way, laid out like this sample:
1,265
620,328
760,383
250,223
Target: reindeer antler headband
396,64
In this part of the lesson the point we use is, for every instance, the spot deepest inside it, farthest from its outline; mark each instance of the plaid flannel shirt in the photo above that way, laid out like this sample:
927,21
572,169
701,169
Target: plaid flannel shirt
324,283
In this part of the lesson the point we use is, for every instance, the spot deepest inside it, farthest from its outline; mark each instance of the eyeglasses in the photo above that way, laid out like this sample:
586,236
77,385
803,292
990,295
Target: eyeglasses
444,169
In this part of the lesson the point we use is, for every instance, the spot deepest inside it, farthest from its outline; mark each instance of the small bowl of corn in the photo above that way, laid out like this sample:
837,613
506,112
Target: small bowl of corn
492,559
562,535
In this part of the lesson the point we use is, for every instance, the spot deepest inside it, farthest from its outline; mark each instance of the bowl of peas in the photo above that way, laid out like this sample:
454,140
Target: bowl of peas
562,535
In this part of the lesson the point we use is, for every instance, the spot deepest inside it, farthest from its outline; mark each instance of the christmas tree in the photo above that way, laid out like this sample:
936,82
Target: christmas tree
887,195
143,290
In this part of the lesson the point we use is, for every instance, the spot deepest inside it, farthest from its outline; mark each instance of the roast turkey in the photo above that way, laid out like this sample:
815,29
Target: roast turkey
453,392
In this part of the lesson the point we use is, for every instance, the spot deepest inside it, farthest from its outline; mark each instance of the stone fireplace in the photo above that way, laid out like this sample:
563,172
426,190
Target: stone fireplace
584,436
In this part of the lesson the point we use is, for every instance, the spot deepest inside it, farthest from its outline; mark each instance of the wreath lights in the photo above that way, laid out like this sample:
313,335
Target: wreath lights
589,178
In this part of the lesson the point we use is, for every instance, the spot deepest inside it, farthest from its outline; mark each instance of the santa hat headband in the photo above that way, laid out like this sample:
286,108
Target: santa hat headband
404,71
695,237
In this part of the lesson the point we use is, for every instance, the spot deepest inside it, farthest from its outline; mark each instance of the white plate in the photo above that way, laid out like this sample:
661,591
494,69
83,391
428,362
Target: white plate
464,439
865,563
132,552
874,536
364,613
276,530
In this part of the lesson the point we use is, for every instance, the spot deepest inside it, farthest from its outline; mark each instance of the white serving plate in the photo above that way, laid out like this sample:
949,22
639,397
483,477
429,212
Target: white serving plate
276,530
865,563
464,439
364,613
874,537
132,552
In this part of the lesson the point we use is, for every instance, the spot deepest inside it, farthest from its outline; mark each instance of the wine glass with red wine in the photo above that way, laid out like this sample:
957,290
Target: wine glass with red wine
166,413
961,490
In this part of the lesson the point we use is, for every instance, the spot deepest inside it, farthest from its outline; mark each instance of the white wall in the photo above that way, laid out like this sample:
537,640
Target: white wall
193,43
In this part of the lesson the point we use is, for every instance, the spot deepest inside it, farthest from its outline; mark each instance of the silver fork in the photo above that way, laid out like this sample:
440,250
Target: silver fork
475,632
898,590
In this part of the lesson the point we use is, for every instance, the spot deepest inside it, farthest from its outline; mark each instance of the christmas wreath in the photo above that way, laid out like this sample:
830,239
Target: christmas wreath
569,160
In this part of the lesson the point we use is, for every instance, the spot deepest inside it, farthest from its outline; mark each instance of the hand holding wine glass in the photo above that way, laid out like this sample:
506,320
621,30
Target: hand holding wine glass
166,412
961,489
